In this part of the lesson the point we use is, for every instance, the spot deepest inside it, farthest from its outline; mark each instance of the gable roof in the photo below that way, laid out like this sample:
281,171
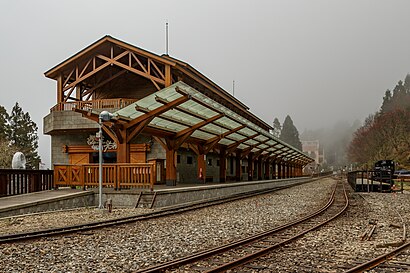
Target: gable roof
185,68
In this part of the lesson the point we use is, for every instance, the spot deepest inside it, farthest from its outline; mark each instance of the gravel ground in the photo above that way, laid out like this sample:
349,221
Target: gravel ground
338,246
131,247
55,219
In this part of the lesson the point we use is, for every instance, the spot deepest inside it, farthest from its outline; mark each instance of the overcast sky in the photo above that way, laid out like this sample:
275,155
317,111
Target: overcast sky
317,61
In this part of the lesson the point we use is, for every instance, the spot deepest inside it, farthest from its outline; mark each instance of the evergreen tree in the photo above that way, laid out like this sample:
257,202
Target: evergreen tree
398,99
386,102
385,134
23,136
290,134
7,153
4,128
277,128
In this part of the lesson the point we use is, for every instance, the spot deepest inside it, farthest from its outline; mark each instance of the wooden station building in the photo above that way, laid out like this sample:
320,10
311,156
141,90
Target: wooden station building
169,121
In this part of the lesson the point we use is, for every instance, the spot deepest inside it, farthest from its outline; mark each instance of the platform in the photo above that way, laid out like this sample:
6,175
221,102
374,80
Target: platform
368,185
44,201
161,196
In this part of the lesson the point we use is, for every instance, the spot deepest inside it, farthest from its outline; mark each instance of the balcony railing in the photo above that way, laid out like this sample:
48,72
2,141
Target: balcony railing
92,104
117,176
15,181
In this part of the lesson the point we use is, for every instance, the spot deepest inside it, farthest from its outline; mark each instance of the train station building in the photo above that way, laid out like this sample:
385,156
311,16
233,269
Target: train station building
166,120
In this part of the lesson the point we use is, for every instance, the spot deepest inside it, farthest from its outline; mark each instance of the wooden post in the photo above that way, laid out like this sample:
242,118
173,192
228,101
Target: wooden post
3,184
201,158
259,168
250,167
168,79
267,169
60,88
222,166
238,167
171,169
273,169
123,152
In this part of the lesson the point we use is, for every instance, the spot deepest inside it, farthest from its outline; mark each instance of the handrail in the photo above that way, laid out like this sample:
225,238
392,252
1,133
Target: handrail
117,176
19,181
92,104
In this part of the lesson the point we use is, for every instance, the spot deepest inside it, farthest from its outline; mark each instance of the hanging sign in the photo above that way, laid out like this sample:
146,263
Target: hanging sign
93,141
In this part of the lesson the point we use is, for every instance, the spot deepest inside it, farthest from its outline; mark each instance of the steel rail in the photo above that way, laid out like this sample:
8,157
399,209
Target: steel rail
255,255
23,236
378,260
217,250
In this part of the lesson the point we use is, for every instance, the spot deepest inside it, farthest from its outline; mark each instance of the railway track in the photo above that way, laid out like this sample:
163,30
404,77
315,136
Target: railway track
395,260
8,238
244,252
391,262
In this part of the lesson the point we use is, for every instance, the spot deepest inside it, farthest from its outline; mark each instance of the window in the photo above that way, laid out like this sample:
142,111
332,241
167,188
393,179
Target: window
217,162
178,158
209,161
189,160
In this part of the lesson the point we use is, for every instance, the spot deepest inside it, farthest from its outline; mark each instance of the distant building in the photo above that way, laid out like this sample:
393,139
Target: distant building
312,149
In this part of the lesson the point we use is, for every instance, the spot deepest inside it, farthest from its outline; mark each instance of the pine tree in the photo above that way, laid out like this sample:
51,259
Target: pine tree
4,128
290,134
386,107
23,136
277,128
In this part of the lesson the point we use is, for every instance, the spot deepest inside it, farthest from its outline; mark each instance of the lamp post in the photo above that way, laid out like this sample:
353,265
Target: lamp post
104,116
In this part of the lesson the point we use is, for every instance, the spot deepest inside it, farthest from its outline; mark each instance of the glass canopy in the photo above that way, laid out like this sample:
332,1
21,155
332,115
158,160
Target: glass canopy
233,130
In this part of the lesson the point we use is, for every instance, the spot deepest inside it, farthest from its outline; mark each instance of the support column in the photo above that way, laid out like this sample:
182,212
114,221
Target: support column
283,168
123,152
238,167
267,169
60,95
291,170
250,167
273,169
222,166
279,173
171,167
259,168
287,170
201,158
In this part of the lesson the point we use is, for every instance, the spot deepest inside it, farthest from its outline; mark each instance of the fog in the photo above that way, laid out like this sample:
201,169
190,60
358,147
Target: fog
320,62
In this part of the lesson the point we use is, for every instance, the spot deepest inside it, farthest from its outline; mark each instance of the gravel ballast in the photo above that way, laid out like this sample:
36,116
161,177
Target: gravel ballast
131,247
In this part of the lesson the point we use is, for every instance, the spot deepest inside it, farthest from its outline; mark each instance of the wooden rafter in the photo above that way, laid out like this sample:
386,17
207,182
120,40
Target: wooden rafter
139,128
97,69
157,111
160,141
232,147
112,135
181,136
132,69
134,65
104,82
147,72
210,143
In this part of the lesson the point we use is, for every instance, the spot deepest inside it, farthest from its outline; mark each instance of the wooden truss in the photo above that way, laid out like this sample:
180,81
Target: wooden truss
96,71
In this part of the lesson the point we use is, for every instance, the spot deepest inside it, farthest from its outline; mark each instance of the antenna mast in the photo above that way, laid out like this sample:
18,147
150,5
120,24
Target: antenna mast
166,38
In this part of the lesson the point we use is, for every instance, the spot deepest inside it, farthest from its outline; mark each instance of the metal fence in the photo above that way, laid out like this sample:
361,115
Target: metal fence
16,181
371,181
